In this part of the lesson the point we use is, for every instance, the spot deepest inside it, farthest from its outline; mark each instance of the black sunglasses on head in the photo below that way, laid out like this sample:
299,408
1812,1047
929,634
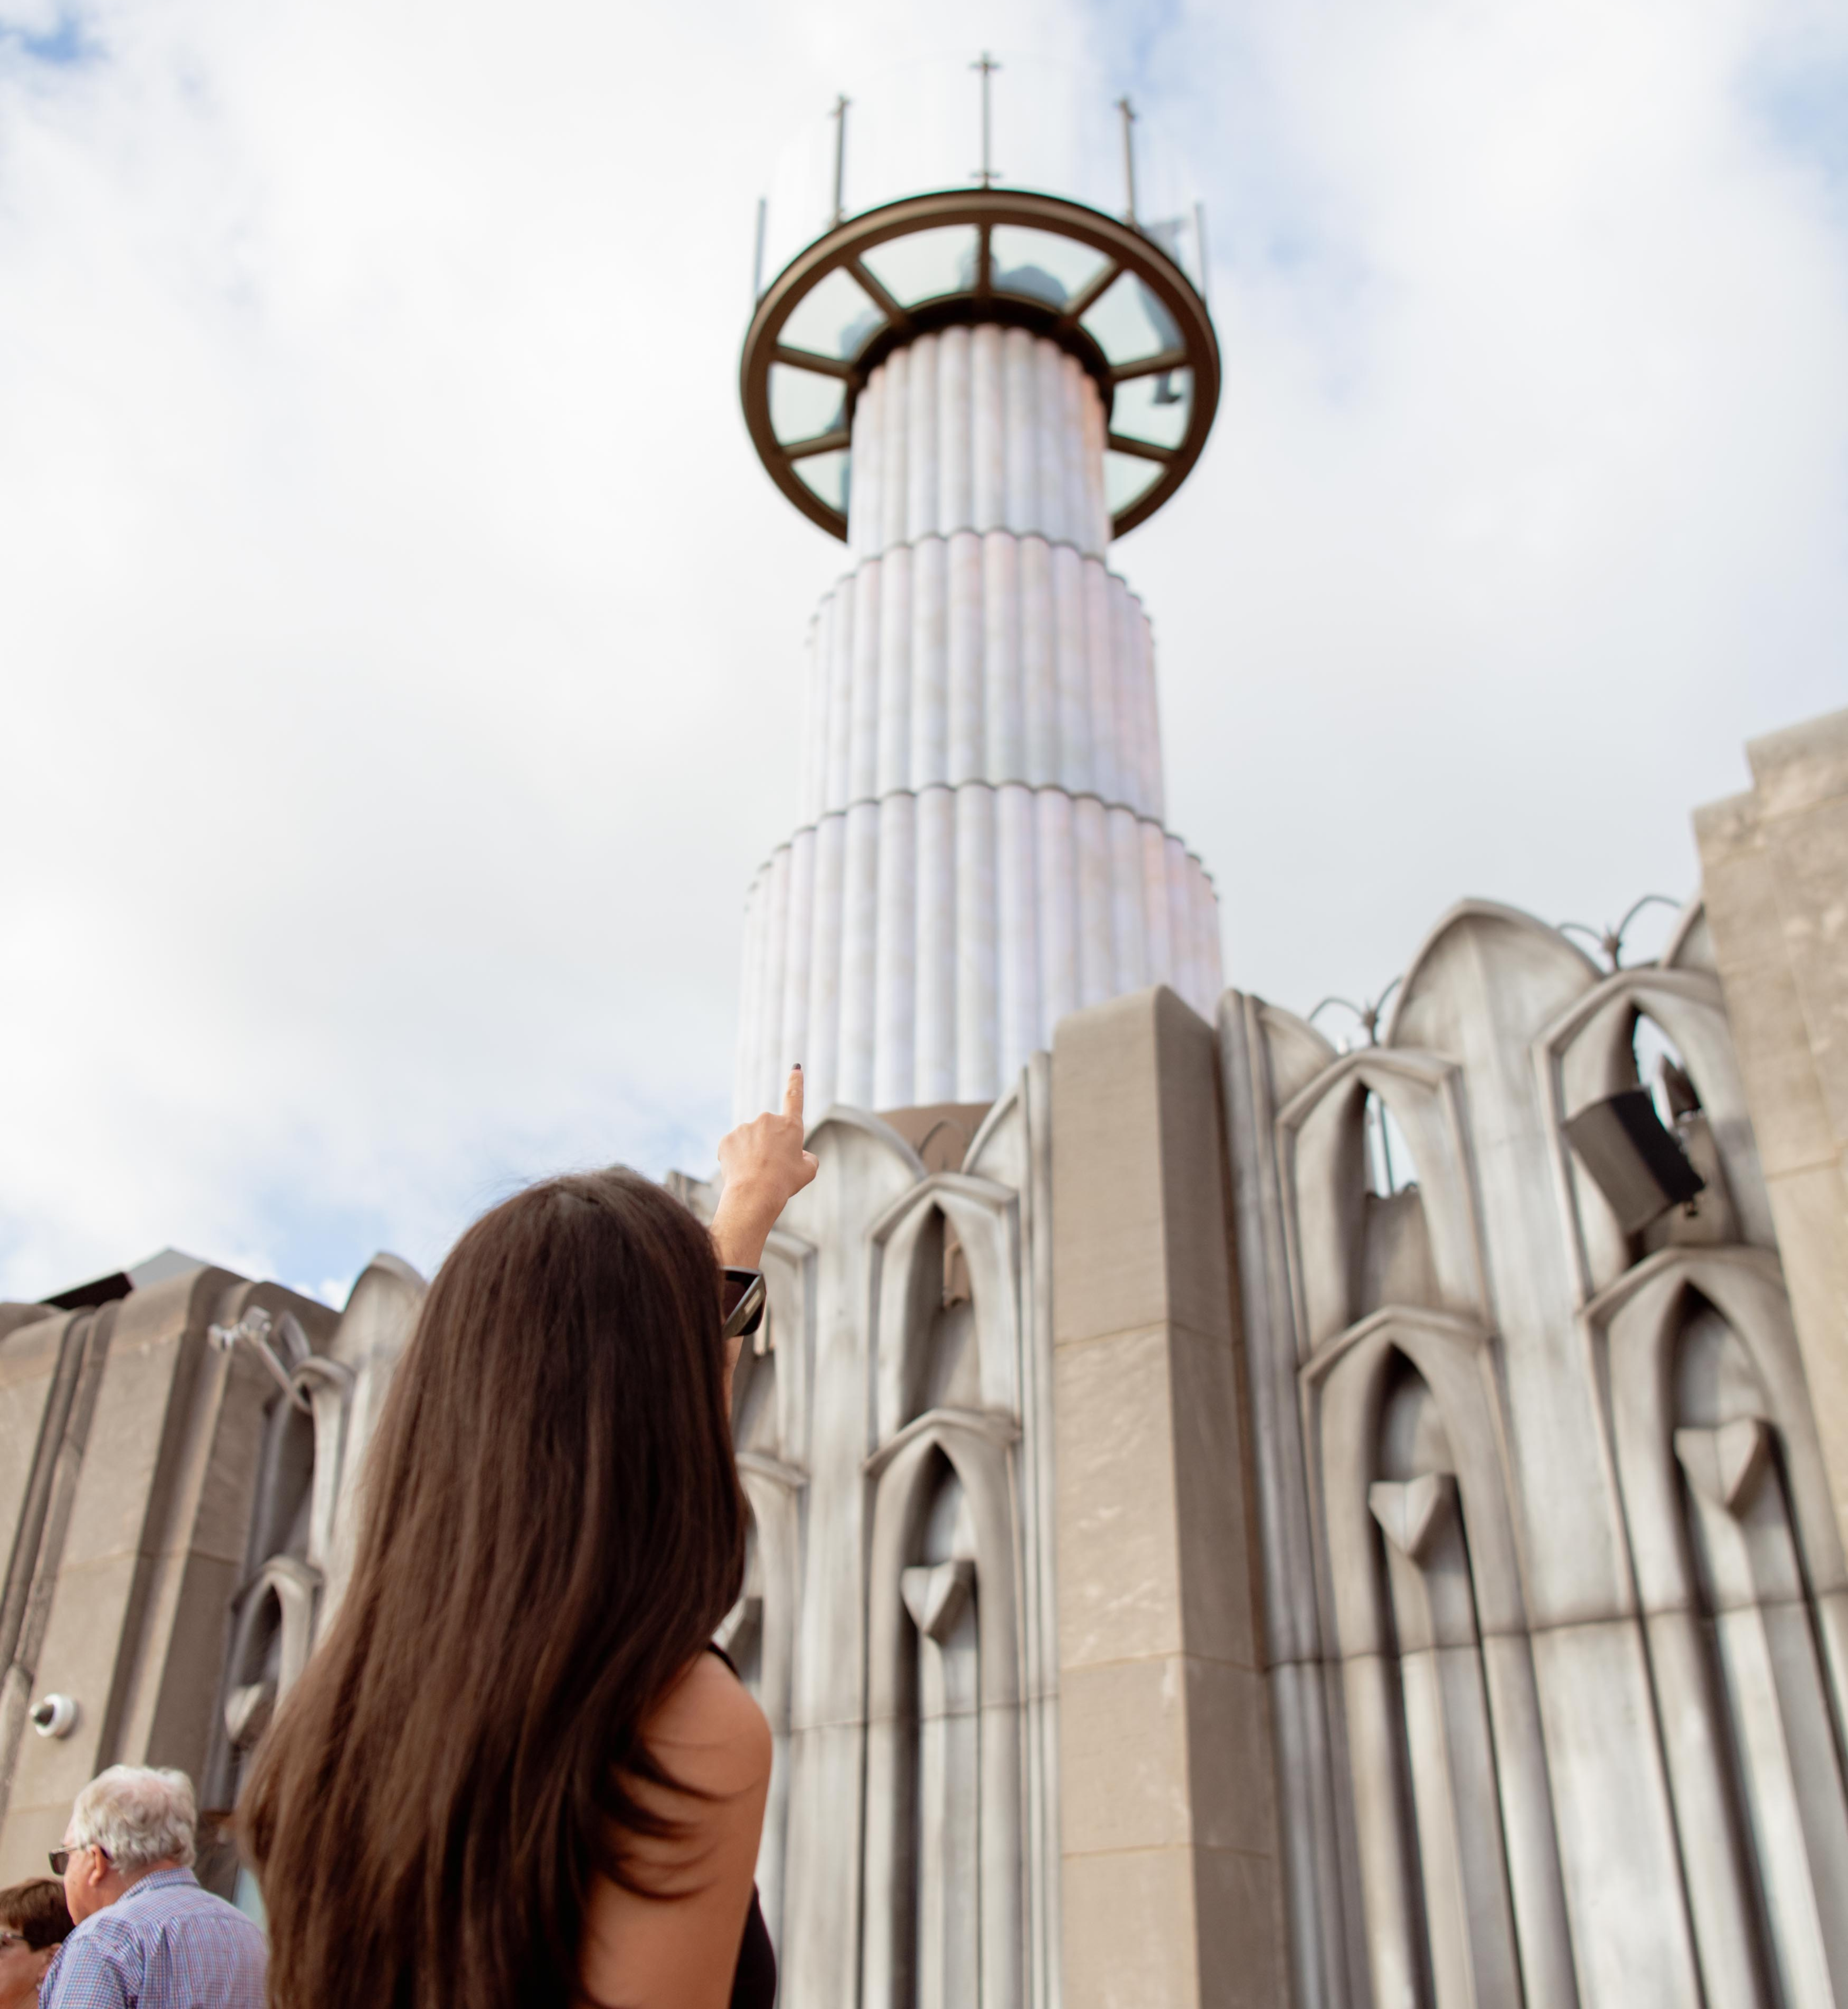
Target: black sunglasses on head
59,1859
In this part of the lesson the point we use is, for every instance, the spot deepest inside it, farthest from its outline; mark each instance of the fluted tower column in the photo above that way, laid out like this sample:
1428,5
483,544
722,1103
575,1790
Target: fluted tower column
981,846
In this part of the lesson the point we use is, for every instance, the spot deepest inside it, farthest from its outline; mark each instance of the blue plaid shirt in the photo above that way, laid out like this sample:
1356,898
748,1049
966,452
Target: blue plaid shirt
164,1943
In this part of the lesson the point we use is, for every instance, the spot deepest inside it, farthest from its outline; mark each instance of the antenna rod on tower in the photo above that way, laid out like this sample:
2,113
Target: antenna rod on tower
1200,249
988,66
1129,157
757,256
841,105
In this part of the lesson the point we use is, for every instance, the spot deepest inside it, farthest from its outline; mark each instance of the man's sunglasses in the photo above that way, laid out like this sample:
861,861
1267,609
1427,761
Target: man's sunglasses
740,1301
59,1859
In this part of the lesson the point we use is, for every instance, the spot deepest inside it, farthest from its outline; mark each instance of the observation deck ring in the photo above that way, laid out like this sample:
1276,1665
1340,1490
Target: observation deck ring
1102,288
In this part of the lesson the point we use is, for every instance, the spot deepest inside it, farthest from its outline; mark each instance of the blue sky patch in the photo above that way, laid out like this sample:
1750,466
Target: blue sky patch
65,46
1804,105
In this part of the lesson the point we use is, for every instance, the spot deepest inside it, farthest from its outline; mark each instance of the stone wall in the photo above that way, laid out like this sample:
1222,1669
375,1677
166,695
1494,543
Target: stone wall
1557,1613
132,1450
1172,1889
1235,1520
1775,869
1001,1602
898,1623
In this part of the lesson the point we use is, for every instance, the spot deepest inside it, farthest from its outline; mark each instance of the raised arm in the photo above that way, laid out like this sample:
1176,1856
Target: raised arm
765,1166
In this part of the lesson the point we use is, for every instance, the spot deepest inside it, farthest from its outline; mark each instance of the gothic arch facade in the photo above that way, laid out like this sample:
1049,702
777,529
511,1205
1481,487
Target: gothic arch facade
1553,1590
898,1617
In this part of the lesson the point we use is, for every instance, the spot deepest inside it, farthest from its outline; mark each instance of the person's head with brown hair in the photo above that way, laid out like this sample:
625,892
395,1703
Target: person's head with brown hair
552,1530
34,1923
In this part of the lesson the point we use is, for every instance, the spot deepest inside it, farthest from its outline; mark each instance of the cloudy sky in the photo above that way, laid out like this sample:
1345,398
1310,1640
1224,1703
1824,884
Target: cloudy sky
399,643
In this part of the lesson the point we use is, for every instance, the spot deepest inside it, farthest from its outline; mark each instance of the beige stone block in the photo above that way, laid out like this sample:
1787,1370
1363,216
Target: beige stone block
173,1727
28,1347
1769,1028
1109,1251
14,1318
1727,831
1802,765
1129,1929
31,1833
1810,1210
129,1432
1119,1589
89,1607
158,1315
1166,1757
1218,1566
1160,1753
28,1362
1231,1780
1810,855
226,1450
1775,870
1139,1232
1196,1203
1239,1904
1124,1781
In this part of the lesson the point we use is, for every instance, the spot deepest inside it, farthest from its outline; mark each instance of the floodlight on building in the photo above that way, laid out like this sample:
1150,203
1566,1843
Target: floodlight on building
1639,1166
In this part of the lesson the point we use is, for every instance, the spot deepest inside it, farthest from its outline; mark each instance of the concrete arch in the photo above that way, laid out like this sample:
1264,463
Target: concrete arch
329,1387
272,1621
987,1218
1552,970
789,1280
1010,1103
1637,1326
844,1116
1585,1054
289,1589
374,1330
1342,1386
1690,945
1321,1166
1506,1794
978,1450
1296,1052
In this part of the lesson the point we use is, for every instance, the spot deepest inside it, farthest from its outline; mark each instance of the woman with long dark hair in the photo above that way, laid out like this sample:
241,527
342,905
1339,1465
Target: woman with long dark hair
513,1773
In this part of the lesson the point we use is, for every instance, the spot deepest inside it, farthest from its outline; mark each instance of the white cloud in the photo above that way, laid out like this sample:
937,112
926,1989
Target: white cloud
1529,490
402,646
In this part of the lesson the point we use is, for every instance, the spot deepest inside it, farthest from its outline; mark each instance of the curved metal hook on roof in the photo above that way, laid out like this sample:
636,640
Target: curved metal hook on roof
1369,1014
272,1339
1610,940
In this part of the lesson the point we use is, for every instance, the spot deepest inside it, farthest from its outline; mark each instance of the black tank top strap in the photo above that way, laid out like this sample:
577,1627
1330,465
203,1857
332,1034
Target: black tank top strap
754,1983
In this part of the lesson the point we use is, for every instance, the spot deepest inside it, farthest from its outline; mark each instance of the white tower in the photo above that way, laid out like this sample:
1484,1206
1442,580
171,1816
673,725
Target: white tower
975,390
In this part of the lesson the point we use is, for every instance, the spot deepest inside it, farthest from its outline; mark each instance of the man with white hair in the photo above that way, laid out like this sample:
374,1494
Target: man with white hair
146,1937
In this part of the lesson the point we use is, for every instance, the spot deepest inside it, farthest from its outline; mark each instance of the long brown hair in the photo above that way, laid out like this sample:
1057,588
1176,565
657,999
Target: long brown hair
552,1528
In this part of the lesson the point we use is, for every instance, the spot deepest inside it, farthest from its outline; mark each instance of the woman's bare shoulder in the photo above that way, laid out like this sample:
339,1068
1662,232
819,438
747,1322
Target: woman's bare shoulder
673,1941
708,1733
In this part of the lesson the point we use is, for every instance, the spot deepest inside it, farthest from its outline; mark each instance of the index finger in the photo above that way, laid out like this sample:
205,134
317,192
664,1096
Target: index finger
792,1095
